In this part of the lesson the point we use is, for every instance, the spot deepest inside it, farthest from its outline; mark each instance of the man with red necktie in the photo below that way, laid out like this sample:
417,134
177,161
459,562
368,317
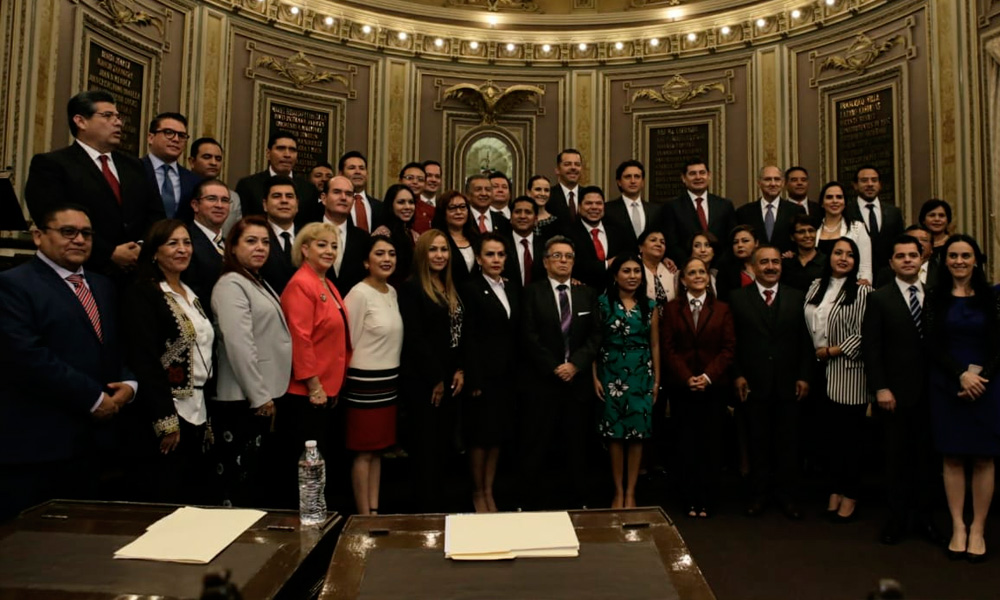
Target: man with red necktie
110,184
597,240
695,210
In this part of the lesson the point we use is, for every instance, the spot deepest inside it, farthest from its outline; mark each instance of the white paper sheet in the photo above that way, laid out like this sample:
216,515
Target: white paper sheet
499,536
191,535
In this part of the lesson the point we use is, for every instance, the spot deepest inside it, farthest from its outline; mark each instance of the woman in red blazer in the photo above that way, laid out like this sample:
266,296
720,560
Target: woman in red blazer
321,348
698,340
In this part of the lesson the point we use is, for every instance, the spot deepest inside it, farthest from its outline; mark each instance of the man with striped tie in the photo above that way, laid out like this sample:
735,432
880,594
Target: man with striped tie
63,378
210,205
895,363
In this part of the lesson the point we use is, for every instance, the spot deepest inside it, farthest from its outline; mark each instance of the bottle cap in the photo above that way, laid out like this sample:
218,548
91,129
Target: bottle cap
311,444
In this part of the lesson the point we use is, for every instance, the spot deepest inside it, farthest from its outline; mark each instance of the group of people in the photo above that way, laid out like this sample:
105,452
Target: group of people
221,328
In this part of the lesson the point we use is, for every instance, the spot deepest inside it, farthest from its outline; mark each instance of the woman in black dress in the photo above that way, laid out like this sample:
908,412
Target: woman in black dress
398,213
454,218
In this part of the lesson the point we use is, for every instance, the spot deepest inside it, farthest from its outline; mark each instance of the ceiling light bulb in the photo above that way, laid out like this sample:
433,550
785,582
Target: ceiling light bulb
546,48
692,37
474,45
831,2
366,29
438,42
761,22
401,35
492,20
654,42
619,45
796,13
675,13
510,47
328,21
582,47
294,10
725,30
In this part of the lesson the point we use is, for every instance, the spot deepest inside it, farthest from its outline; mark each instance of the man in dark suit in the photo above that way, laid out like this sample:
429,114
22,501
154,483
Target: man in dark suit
206,162
774,356
282,154
695,210
111,185
596,240
797,191
210,206
884,222
63,373
281,207
166,141
500,190
479,190
348,268
565,198
628,211
928,268
525,262
367,208
561,335
770,216
895,362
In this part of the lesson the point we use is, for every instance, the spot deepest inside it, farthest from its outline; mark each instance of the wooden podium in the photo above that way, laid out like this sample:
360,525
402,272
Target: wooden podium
63,550
624,554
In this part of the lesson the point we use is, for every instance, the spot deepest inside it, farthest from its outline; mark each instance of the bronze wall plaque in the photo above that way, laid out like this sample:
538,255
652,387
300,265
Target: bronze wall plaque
669,148
123,77
310,127
866,136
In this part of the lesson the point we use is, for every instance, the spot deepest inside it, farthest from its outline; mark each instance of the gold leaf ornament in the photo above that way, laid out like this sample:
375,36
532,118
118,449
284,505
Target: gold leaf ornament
677,91
861,54
299,70
122,15
490,101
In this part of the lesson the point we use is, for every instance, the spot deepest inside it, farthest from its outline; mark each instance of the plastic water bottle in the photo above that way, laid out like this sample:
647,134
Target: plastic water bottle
312,483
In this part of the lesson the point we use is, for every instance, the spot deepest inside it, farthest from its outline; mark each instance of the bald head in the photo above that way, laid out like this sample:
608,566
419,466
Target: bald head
338,198
770,181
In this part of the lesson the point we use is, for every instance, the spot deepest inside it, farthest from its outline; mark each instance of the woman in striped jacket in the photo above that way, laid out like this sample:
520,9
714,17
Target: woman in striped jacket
835,307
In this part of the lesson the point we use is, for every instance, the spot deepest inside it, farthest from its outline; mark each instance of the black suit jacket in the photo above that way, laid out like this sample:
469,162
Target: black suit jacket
55,367
815,210
895,355
251,191
542,339
205,268
352,268
278,269
679,223
490,334
460,272
587,268
886,275
189,180
616,211
781,237
773,347
557,204
892,227
69,175
512,267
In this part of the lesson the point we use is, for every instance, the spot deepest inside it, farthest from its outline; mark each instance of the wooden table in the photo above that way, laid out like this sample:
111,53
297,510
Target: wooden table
63,550
638,553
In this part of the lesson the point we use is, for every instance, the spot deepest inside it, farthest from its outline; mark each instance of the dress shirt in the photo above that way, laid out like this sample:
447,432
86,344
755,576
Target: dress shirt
475,218
95,156
863,211
63,274
923,273
498,289
429,200
817,317
368,207
342,236
601,235
576,196
667,280
193,409
703,298
519,250
804,203
278,231
469,255
704,203
904,288
208,232
175,175
637,202
763,208
569,292
761,288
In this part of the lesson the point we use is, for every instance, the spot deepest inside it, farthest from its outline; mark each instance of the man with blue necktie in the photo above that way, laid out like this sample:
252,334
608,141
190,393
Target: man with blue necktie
167,139
771,216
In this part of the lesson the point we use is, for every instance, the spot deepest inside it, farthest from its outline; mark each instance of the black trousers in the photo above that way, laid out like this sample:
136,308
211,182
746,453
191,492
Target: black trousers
183,476
25,485
773,428
700,419
430,441
911,466
844,426
242,442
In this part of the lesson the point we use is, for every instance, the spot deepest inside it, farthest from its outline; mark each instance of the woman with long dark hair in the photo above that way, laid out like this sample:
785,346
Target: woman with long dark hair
453,217
627,371
962,324
836,224
834,311
398,214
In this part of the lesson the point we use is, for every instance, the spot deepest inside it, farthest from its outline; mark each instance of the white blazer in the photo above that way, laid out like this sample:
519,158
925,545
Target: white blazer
859,234
845,374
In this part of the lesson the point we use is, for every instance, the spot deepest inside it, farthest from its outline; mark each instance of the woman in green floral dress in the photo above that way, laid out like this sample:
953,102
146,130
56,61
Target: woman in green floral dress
627,371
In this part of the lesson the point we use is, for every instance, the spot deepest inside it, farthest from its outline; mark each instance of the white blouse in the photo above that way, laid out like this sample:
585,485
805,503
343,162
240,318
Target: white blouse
817,317
193,409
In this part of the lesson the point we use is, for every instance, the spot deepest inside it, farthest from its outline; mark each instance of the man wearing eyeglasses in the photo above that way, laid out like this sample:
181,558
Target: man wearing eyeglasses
111,185
166,140
63,377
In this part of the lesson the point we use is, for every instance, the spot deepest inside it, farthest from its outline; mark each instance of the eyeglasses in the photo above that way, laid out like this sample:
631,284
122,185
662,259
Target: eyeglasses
171,134
110,115
561,255
458,207
70,233
215,199
414,178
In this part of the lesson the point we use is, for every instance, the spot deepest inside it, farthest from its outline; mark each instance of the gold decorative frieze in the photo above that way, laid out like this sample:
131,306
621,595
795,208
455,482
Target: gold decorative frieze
677,92
299,70
122,15
496,5
648,3
490,101
862,53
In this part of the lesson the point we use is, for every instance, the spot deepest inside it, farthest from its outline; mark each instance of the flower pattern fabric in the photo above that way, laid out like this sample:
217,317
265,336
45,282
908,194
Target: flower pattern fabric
625,369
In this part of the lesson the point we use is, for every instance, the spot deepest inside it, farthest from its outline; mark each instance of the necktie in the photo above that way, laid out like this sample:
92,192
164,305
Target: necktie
872,220
286,245
769,221
219,246
915,307
89,304
598,247
702,218
565,317
528,263
167,193
768,297
636,219
572,206
360,214
696,311
482,223
110,177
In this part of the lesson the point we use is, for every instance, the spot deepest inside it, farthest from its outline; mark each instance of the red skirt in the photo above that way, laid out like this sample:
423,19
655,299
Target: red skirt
370,429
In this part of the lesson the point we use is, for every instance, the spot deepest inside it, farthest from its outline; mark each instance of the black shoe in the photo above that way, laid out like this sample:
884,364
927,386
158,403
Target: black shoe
976,558
955,554
892,533
790,510
842,520
755,508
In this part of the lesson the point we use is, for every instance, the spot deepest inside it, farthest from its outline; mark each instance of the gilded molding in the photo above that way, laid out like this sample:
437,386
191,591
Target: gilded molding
864,53
861,54
677,92
490,101
299,70
122,15
497,5
648,3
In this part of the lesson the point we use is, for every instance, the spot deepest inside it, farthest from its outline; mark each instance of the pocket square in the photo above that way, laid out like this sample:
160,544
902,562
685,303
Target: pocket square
583,314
